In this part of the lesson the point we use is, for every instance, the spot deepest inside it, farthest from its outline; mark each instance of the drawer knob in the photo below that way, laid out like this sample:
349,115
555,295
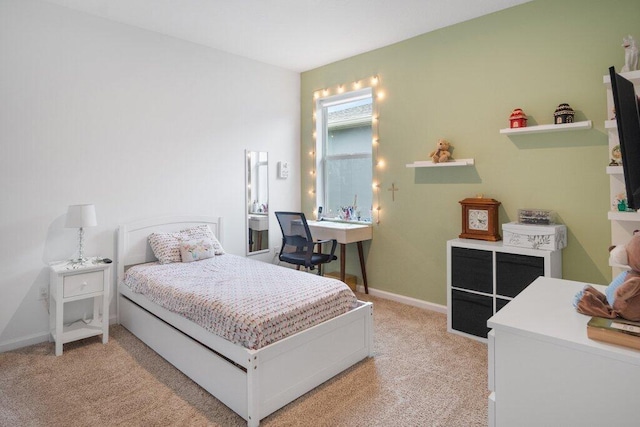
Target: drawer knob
83,284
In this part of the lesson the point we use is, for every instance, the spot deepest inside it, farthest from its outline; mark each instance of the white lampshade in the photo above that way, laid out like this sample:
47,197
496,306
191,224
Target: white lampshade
79,216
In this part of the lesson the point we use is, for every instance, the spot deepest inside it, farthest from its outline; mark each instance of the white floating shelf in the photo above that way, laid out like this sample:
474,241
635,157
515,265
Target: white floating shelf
624,216
621,266
614,170
610,124
547,128
632,76
430,164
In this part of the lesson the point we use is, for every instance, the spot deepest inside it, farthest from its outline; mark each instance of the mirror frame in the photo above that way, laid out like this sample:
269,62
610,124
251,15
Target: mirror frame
249,197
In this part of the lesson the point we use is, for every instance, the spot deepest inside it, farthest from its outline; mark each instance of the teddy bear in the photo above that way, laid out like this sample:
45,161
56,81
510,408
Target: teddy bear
622,296
442,153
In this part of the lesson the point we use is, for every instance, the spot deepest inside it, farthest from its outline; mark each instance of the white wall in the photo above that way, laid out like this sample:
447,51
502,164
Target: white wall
137,123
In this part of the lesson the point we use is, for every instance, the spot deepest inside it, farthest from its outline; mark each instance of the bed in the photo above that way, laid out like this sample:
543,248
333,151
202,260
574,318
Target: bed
253,382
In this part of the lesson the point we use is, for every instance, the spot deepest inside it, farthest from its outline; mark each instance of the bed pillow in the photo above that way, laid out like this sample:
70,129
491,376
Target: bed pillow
166,246
197,249
203,232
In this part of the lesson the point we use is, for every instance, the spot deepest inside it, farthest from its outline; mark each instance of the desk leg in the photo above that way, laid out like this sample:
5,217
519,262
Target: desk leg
362,268
343,256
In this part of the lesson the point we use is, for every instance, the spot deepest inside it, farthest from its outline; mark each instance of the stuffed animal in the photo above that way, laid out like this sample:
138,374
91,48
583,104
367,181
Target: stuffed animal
630,54
622,296
442,153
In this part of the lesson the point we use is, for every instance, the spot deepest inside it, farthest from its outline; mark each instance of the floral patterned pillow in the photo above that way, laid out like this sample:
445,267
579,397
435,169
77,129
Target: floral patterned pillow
166,246
203,231
195,250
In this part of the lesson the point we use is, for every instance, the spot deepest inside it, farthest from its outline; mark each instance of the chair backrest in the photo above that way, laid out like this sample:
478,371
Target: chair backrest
295,230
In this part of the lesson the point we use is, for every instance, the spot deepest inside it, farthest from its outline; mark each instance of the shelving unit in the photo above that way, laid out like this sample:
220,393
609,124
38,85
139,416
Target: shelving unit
548,128
430,164
623,224
482,277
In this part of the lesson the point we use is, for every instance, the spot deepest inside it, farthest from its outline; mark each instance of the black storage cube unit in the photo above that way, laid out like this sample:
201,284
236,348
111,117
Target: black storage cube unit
470,312
501,303
516,272
472,269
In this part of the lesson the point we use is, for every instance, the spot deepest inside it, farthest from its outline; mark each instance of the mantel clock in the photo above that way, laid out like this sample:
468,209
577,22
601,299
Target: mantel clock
480,219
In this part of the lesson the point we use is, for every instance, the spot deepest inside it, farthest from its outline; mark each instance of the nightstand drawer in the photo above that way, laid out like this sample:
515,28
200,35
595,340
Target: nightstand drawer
85,283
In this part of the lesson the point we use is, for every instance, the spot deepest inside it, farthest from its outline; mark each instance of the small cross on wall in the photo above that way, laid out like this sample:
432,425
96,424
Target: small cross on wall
393,190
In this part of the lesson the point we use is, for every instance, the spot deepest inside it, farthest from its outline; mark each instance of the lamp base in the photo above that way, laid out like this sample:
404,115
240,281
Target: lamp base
80,261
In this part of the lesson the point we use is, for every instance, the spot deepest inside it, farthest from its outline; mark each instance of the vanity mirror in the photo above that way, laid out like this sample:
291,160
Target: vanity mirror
257,201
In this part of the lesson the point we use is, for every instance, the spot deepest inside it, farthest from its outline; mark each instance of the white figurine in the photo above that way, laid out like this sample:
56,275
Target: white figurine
630,54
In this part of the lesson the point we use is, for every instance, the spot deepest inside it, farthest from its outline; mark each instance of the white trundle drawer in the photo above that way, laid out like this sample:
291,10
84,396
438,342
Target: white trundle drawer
84,283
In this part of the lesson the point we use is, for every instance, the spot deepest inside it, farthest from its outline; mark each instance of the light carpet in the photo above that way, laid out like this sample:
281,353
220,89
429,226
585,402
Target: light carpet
420,375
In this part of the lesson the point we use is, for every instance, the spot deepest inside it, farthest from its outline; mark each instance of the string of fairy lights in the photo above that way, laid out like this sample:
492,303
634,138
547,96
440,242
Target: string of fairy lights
378,95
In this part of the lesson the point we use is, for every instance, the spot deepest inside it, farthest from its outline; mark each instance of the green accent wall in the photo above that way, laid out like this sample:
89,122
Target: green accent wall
461,83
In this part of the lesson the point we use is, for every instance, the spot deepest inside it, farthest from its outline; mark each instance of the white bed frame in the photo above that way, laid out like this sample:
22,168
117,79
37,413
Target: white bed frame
253,383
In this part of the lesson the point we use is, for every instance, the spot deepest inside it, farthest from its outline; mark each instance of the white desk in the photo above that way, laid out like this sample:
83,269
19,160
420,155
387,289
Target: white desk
545,371
344,233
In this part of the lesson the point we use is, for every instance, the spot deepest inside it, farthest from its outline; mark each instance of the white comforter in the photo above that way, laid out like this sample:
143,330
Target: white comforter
248,302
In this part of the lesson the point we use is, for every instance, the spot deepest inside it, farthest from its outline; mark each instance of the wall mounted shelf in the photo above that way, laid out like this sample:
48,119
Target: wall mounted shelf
430,164
632,76
623,216
610,124
620,266
614,170
548,128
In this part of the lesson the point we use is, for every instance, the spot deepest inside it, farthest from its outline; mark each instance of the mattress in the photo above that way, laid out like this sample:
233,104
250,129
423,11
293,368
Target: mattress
247,302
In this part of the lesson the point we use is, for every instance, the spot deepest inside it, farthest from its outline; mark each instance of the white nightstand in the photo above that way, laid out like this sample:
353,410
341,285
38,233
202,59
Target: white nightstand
72,282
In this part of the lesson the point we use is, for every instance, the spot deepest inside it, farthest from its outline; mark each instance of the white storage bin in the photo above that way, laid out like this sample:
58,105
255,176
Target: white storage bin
547,237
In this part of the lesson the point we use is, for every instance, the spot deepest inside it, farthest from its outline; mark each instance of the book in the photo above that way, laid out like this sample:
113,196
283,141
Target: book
615,331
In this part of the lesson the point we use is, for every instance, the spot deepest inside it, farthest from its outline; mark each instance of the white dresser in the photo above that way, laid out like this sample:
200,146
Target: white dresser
544,371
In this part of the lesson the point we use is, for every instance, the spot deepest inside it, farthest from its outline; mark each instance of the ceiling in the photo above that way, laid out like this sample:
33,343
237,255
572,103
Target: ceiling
298,35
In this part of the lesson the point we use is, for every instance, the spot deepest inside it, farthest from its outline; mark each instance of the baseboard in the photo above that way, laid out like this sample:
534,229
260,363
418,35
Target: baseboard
24,341
38,338
405,300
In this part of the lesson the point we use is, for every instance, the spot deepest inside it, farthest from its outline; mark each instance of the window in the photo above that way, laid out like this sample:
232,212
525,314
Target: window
344,155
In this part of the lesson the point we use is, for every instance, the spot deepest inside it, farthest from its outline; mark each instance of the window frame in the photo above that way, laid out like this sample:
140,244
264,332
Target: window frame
321,106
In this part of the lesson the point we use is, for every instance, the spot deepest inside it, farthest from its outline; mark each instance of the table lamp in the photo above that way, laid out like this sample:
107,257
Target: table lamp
80,216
